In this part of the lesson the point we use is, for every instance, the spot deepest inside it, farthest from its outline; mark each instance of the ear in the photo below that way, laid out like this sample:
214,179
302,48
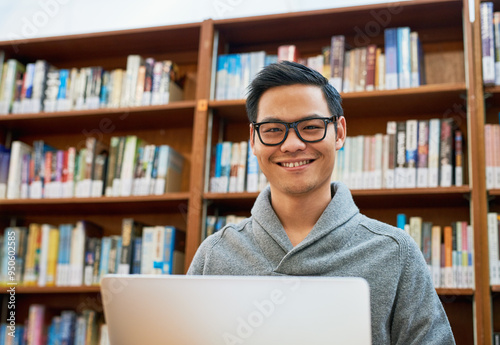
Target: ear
341,133
252,138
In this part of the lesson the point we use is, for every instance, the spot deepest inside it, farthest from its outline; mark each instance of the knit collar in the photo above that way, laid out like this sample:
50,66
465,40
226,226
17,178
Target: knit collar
271,235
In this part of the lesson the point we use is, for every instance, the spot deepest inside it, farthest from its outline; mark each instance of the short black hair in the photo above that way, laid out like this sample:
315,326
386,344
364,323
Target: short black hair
286,73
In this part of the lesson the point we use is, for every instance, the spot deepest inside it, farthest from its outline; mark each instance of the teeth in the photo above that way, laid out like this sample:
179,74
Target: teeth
295,164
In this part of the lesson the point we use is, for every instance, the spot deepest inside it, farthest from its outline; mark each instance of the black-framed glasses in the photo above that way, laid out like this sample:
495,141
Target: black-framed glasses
312,130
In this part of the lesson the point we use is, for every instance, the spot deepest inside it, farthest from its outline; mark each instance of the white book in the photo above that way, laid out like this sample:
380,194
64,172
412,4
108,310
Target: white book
129,160
366,168
148,237
390,178
377,174
493,247
470,254
358,173
488,42
77,255
225,163
44,255
496,153
380,65
404,62
489,156
434,146
436,255
18,150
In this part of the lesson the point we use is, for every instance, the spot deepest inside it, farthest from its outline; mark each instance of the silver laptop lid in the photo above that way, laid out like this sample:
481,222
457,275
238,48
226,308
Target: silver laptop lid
223,310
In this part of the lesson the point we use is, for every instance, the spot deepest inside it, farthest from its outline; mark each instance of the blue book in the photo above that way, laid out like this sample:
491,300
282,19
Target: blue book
63,84
391,58
3,332
401,221
221,77
68,324
105,248
215,180
404,57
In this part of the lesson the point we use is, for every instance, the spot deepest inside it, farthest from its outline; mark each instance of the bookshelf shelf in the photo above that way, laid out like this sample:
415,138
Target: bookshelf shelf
53,289
494,192
101,205
173,114
455,292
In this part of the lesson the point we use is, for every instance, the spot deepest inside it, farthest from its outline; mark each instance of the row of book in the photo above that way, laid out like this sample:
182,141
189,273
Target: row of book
492,154
412,154
399,64
69,327
236,71
39,86
493,247
78,254
215,223
234,168
447,250
128,166
490,39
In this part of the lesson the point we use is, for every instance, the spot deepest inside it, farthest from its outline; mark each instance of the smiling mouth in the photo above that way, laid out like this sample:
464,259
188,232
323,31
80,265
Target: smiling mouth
294,164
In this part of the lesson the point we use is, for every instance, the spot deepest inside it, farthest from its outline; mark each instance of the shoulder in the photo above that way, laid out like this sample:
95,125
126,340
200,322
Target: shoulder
220,241
396,240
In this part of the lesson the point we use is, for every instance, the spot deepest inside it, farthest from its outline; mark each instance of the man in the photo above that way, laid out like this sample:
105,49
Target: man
304,225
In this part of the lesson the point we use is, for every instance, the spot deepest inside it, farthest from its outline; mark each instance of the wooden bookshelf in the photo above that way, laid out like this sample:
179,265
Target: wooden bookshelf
54,289
453,57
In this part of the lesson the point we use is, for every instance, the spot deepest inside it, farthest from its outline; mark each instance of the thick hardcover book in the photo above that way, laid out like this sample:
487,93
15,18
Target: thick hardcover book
488,43
446,153
411,153
404,57
371,56
337,61
434,149
391,58
423,154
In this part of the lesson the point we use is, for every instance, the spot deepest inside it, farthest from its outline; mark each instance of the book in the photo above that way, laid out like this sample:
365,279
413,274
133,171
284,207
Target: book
459,164
416,230
436,255
169,173
411,153
337,61
434,152
487,43
391,58
400,171
446,153
390,148
18,150
423,154
404,57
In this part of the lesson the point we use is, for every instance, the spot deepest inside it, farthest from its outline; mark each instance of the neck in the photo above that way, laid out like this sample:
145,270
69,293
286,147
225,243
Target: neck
299,213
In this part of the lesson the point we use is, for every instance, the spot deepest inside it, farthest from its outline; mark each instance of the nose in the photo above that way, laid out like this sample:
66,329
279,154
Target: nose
292,142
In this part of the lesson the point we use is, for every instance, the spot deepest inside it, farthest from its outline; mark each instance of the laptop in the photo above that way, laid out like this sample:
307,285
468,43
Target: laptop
223,310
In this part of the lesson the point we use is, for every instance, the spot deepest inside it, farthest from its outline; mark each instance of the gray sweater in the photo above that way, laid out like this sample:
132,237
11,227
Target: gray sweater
405,308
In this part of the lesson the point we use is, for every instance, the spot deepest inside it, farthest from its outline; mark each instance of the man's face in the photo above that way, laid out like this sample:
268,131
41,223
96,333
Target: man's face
315,160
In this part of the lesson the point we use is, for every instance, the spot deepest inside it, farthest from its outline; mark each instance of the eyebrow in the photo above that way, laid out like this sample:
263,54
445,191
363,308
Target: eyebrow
309,117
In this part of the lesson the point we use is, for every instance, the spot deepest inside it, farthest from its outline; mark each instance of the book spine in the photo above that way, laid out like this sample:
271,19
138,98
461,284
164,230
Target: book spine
391,59
446,153
400,169
423,154
337,61
371,60
459,175
411,153
404,57
487,43
434,149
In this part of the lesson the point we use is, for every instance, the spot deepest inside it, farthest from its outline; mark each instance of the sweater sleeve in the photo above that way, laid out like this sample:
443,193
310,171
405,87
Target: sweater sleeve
419,316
